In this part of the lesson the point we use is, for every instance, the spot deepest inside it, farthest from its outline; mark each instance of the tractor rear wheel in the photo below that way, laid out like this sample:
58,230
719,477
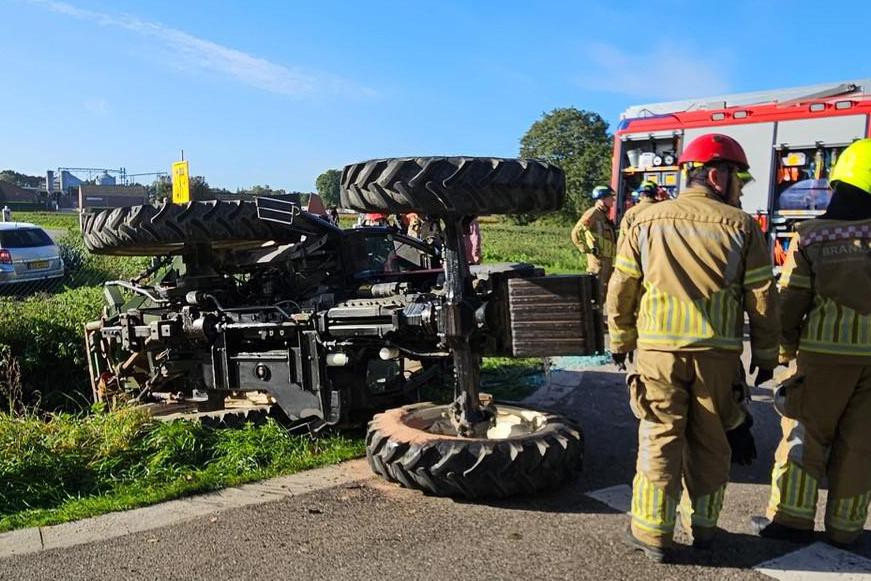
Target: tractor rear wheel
453,186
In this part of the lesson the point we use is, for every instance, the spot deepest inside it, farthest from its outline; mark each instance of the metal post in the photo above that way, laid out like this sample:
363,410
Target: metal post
467,415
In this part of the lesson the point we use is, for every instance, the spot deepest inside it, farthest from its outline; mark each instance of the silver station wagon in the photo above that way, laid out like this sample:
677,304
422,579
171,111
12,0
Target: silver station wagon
28,256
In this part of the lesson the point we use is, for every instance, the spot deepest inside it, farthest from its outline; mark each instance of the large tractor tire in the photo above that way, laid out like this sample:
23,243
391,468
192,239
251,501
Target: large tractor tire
453,186
152,231
526,452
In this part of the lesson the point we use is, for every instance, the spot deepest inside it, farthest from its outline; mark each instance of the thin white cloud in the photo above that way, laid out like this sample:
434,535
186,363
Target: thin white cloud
195,53
667,72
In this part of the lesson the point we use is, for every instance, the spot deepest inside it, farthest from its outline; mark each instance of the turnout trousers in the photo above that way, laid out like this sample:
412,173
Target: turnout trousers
828,435
685,403
601,267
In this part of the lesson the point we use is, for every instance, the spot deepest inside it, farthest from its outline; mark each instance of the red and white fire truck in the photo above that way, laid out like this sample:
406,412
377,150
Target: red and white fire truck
792,138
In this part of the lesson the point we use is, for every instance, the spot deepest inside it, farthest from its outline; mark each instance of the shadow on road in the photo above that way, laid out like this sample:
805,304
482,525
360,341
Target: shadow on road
599,401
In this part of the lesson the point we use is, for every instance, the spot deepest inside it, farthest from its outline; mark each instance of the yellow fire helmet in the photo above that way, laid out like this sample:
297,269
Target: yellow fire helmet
854,166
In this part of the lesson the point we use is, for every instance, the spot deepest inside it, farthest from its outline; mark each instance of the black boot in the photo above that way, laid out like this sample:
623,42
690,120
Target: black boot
768,529
652,552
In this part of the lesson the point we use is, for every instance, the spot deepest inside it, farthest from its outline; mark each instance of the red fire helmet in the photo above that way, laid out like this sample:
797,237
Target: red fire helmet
714,147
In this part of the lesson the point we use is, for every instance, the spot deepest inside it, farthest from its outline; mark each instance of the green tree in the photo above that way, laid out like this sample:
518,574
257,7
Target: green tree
160,189
578,142
200,189
327,185
20,179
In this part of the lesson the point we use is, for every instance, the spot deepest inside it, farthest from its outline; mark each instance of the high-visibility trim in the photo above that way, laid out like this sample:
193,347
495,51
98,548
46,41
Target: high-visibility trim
622,334
653,510
713,322
704,511
790,279
848,514
794,492
834,329
683,341
757,275
627,266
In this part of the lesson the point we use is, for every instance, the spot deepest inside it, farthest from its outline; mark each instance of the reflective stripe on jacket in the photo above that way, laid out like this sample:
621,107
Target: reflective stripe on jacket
594,233
825,290
689,268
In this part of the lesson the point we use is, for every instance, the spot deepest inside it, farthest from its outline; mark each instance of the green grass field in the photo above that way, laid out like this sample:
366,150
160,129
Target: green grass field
547,245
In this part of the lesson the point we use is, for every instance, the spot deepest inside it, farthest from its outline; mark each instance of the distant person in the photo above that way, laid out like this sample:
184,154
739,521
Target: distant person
425,228
594,235
472,235
372,219
414,224
7,214
333,216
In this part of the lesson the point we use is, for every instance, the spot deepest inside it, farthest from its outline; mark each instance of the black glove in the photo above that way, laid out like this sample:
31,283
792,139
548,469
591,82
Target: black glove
619,360
762,374
594,252
742,443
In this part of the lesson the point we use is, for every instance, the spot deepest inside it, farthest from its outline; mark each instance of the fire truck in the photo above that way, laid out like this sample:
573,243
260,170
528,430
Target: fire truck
792,138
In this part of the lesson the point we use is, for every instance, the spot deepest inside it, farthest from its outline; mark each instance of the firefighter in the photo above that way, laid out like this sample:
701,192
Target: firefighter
643,197
684,273
594,235
826,315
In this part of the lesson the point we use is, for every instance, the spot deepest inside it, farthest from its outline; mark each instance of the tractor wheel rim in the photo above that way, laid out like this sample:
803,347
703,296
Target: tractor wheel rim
510,422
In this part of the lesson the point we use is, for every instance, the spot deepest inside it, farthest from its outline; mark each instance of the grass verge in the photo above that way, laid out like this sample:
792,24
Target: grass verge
72,466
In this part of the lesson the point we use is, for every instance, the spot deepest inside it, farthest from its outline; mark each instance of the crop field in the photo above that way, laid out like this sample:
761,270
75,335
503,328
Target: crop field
63,457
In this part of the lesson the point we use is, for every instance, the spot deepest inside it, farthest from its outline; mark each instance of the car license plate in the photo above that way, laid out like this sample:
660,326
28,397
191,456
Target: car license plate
38,265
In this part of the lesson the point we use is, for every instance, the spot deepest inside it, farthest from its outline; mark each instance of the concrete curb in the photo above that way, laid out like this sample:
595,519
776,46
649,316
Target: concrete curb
118,524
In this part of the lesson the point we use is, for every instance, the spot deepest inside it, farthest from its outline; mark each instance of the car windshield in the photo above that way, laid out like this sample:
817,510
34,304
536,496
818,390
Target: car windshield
24,238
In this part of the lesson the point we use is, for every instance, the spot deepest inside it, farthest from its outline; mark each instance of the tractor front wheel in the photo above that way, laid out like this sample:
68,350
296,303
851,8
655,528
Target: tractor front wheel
525,452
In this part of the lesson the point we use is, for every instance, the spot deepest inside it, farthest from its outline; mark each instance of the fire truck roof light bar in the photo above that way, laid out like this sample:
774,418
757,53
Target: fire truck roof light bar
843,104
817,107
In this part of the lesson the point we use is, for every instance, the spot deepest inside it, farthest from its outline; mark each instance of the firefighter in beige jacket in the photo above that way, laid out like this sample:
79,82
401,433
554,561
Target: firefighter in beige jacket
685,273
594,235
643,198
826,315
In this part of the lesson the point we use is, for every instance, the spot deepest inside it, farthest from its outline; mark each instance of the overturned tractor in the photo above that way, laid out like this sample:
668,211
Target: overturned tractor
334,325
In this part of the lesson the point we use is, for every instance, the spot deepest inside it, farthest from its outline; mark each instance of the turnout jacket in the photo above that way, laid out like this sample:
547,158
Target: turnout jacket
631,215
825,290
594,233
685,272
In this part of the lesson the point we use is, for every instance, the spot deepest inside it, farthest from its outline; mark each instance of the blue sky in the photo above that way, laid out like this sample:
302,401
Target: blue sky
274,93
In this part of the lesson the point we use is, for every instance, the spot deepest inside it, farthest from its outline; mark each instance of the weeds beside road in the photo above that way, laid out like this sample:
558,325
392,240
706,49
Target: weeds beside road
68,467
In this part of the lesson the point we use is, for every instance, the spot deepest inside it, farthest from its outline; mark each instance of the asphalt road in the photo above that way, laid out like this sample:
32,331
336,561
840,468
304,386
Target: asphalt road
373,530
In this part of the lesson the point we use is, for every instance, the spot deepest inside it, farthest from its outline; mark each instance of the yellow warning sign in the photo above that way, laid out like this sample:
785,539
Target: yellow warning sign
181,190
